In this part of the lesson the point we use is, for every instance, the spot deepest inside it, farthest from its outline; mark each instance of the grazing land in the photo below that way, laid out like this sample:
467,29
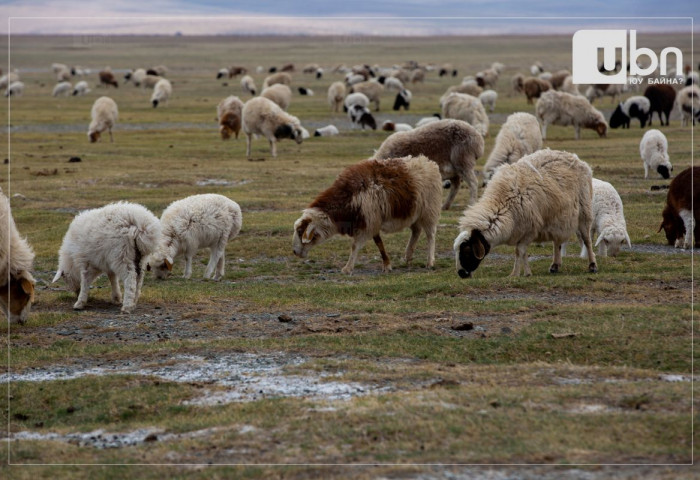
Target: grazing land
288,361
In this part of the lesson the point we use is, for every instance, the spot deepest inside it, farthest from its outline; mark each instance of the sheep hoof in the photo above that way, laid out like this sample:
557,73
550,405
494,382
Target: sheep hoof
117,300
593,268
386,268
127,309
78,306
347,271
554,268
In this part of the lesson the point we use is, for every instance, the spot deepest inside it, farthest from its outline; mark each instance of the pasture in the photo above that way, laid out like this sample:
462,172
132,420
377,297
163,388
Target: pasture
288,361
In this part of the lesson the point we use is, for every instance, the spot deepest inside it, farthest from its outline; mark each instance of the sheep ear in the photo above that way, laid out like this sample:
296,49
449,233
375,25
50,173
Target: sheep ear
28,288
479,249
168,264
59,274
148,267
308,234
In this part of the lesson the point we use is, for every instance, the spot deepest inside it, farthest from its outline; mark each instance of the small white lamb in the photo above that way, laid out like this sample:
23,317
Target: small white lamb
654,151
608,220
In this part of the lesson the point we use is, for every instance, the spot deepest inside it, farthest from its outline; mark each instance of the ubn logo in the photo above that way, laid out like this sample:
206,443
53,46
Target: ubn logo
613,43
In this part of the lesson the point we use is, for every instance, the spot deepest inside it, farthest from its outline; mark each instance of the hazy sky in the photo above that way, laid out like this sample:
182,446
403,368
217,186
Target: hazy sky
351,17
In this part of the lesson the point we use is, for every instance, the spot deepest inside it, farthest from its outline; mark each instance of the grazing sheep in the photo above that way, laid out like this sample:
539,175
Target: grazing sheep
465,107
287,67
488,99
107,78
654,151
661,98
248,84
372,197
560,108
188,225
392,83
389,126
545,76
637,107
79,71
519,136
487,78
361,116
688,101
680,219
403,99
232,71
63,74
336,94
470,89
16,260
305,91
63,89
498,67
159,70
453,144
104,115
354,78
223,72
228,112
545,196
447,69
8,79
601,90
150,81
535,87
536,68
557,79
327,131
281,77
569,86
355,99
58,67
608,220
81,88
135,76
372,90
692,78
16,89
264,117
161,92
426,120
280,94
418,75
310,68
115,239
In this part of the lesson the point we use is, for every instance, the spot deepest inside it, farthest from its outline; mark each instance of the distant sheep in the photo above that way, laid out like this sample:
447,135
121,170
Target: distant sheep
403,99
159,70
654,151
262,116
418,76
488,99
62,89
608,220
81,88
281,77
248,84
336,94
16,89
470,89
136,76
560,108
680,219
361,116
453,144
6,80
447,69
516,83
535,87
229,112
557,79
465,107
487,78
280,94
161,92
327,131
688,100
116,240
392,83
389,126
16,260
519,136
569,86
545,196
63,74
150,81
536,68
104,115
196,222
426,120
661,99
372,197
305,91
637,107
231,72
355,99
107,78
373,90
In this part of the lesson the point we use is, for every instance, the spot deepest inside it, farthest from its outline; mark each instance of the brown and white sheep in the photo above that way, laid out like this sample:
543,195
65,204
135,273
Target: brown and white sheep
680,219
229,112
262,116
107,78
534,87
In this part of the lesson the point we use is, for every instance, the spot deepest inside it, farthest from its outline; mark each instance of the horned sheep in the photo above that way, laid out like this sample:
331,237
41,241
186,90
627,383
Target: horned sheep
104,115
468,108
608,220
654,151
280,94
453,144
161,92
228,112
116,240
262,116
545,196
560,108
374,197
188,225
519,136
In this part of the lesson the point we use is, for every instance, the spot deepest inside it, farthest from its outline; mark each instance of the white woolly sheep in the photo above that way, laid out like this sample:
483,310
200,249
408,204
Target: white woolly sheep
426,120
116,240
374,197
136,76
688,100
16,89
58,67
637,107
355,99
280,77
465,107
393,83
104,115
248,84
264,117
569,86
63,89
536,68
8,79
188,225
354,78
280,94
545,196
498,67
228,113
16,260
654,151
327,131
336,94
453,144
161,92
608,220
560,108
81,88
389,126
63,75
519,136
488,99
150,81
373,90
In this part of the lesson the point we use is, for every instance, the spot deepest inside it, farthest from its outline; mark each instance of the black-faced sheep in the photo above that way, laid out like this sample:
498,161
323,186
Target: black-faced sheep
361,116
654,151
560,108
403,99
81,88
634,107
546,196
104,115
264,117
374,197
680,219
248,84
161,92
229,112
15,89
661,99
327,131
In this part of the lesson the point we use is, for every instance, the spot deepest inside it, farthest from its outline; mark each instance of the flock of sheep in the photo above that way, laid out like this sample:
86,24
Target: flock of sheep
531,194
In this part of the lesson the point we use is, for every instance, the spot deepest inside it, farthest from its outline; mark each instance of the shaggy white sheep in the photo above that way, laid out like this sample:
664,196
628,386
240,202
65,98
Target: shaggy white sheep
161,92
336,94
116,240
488,99
359,99
545,196
188,225
560,108
468,108
16,260
16,89
373,90
248,84
280,94
426,120
104,115
264,117
229,112
393,83
599,91
608,220
136,76
654,151
81,88
63,89
519,136
275,78
327,131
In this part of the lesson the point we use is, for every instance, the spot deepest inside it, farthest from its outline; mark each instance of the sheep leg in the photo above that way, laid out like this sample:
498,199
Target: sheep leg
454,187
584,235
386,263
357,244
521,261
430,235
111,138
577,130
85,281
556,258
248,142
689,222
646,170
188,264
273,147
544,130
116,291
411,246
130,288
220,267
216,258
473,183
